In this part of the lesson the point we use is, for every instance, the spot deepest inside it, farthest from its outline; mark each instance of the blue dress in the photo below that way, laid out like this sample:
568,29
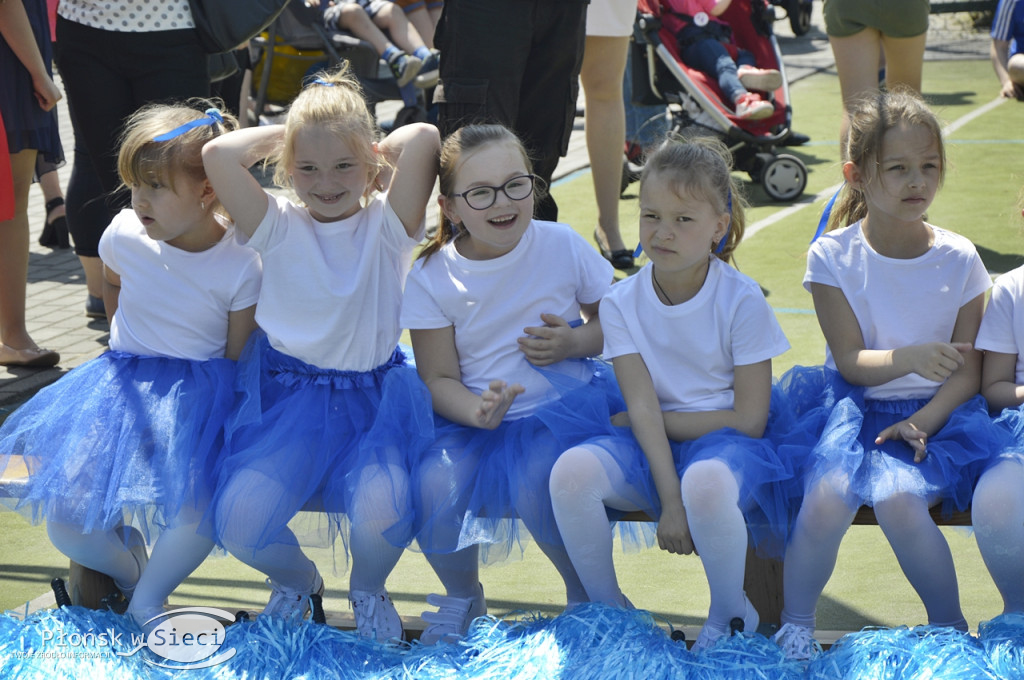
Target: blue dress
27,125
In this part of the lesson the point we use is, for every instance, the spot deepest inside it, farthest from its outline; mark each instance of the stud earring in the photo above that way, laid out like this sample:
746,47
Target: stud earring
202,205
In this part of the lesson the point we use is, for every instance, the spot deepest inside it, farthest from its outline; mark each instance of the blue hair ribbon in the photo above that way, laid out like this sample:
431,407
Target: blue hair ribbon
725,236
212,117
639,249
823,222
321,81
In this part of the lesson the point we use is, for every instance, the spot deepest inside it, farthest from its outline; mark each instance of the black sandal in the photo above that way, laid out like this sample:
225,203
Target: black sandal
55,231
620,259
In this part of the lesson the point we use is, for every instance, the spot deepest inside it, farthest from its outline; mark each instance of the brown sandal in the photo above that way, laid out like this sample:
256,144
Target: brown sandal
33,357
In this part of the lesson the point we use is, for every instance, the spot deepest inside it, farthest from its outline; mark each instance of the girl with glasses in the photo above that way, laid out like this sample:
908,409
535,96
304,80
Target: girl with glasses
502,310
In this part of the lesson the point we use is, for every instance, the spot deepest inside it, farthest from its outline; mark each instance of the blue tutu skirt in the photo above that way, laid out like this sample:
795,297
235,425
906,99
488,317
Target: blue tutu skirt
491,486
956,454
305,436
767,480
1010,422
121,439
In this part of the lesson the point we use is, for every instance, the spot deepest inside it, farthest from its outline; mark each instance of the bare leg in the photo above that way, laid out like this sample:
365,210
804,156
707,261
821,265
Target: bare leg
391,19
904,59
14,237
424,24
857,60
355,20
93,267
604,65
50,184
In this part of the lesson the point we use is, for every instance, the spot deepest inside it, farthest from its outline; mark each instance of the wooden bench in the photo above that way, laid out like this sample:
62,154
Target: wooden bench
763,579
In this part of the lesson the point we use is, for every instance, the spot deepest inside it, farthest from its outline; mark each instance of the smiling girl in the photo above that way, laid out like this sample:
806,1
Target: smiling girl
502,310
691,340
327,407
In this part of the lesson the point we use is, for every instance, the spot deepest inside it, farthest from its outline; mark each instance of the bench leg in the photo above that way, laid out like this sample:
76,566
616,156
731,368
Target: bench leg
88,587
763,583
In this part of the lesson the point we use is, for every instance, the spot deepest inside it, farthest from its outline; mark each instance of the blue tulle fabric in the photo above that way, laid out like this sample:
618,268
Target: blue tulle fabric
485,479
121,439
767,480
847,425
1011,422
310,433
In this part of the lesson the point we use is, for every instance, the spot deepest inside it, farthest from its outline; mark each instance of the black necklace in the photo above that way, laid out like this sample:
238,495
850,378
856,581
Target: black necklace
660,289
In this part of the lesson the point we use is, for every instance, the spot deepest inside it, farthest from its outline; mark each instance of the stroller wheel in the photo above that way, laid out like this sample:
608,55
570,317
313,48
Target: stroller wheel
799,13
784,177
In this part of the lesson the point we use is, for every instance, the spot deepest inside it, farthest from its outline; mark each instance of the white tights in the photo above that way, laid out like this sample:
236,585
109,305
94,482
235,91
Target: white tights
586,479
827,512
998,516
248,507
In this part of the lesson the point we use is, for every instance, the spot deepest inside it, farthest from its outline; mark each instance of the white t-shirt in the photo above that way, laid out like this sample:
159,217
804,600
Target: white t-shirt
128,16
899,302
1002,327
173,302
332,291
489,302
691,349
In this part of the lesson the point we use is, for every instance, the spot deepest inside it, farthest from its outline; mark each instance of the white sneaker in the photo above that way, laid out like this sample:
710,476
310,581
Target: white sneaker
287,603
136,545
709,636
453,616
376,616
797,642
760,79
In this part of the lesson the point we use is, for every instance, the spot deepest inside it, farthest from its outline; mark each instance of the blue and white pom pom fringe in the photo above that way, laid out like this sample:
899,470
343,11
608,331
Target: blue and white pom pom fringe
593,642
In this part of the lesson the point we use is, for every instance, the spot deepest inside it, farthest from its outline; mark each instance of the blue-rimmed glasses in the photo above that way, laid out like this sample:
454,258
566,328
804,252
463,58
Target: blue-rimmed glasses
483,197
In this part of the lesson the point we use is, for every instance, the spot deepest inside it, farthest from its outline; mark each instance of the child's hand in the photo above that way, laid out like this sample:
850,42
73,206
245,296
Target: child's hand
547,344
495,402
935,360
674,533
909,433
621,419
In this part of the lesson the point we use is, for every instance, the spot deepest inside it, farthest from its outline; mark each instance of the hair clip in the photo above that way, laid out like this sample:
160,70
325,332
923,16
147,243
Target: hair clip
321,81
725,236
823,222
212,117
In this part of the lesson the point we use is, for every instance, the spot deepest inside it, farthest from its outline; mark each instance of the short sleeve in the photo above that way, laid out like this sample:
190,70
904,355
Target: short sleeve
420,310
618,341
819,266
756,333
996,332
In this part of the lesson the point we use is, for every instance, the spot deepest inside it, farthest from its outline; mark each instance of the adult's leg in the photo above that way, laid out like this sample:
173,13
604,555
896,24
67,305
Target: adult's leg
14,238
924,556
584,481
998,514
904,61
604,65
857,61
825,514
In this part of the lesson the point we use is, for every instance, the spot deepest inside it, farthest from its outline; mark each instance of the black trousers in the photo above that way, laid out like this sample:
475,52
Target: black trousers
107,76
515,62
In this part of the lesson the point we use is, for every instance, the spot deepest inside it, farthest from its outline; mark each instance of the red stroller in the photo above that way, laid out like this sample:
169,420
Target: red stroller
695,100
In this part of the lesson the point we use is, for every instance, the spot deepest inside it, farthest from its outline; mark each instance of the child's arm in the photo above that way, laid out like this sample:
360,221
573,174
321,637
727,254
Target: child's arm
752,390
437,362
412,150
935,361
227,160
648,426
958,388
241,324
557,339
111,291
998,380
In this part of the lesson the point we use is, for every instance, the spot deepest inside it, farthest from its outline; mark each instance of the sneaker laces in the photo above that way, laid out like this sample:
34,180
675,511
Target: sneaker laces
372,611
797,642
290,602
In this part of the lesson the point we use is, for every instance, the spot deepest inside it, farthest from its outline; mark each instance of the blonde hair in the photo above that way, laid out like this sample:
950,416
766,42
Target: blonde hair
141,159
333,100
871,117
461,142
702,167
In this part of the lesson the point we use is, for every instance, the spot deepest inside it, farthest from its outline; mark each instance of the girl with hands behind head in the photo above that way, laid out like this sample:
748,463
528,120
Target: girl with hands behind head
328,407
692,342
899,301
502,310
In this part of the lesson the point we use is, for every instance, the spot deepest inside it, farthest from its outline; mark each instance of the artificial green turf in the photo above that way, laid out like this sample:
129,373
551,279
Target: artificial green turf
979,200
